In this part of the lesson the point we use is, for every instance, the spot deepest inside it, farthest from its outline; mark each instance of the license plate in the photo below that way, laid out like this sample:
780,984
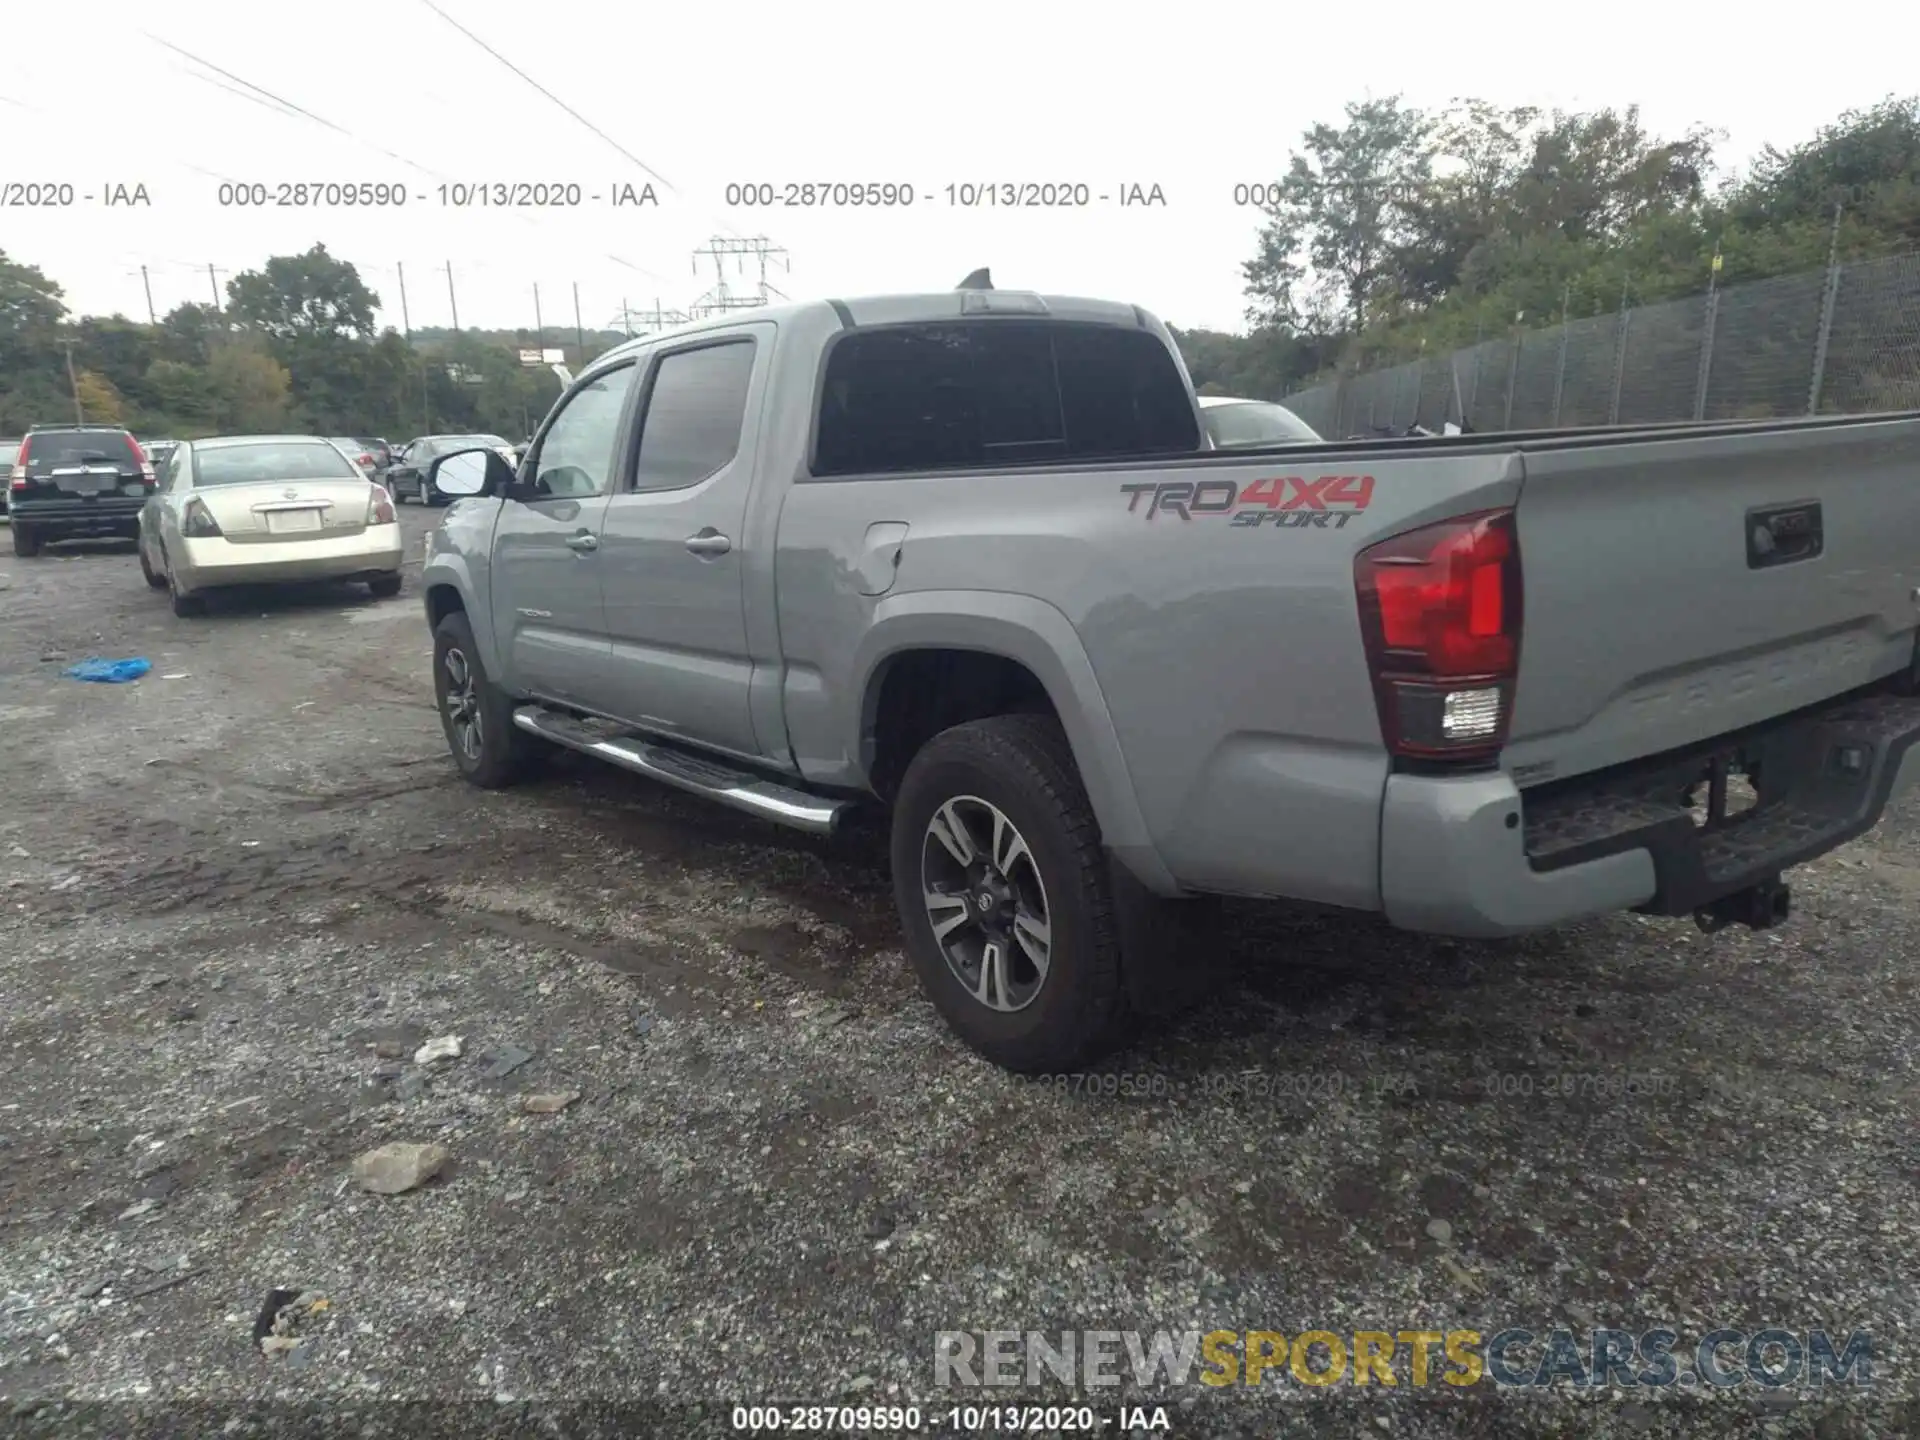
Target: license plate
280,522
83,483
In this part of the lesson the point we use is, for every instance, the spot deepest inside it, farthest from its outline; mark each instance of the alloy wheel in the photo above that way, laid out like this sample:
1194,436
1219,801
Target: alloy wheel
987,903
462,701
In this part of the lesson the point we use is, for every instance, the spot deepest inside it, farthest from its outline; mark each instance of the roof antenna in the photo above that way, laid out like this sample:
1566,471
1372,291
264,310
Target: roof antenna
978,280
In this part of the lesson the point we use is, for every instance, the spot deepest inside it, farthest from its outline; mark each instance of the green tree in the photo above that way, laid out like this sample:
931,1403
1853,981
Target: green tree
33,381
100,402
1345,210
303,296
250,389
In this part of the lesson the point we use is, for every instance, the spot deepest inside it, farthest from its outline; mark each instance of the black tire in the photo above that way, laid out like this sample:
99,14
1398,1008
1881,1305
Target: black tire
26,540
506,754
384,587
1022,766
157,581
185,606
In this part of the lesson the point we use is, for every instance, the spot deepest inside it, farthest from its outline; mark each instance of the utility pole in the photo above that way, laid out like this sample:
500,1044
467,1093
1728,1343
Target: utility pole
406,323
212,279
579,330
626,317
152,319
453,300
79,415
539,325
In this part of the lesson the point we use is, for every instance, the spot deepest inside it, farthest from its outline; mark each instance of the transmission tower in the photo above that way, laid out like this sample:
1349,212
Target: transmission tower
721,298
647,322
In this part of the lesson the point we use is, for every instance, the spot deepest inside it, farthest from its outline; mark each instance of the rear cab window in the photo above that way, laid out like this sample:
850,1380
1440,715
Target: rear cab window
967,394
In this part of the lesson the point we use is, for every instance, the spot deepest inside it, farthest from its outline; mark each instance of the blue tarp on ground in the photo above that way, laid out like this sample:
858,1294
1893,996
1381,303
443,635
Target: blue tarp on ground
109,672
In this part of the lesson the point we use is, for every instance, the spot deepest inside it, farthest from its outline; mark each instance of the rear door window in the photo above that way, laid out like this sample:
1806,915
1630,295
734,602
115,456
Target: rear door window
696,410
965,394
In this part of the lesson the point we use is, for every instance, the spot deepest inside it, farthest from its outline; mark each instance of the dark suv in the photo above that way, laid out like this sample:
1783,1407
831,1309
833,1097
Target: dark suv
71,482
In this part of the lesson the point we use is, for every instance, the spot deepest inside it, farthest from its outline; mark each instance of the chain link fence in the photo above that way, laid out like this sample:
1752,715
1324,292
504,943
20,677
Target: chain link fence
1837,341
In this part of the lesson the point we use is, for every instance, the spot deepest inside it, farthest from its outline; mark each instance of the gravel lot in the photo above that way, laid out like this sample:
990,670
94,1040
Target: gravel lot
238,894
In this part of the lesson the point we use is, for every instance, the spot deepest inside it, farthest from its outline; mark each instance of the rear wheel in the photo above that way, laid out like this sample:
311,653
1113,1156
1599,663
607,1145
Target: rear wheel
1005,895
26,540
184,605
476,715
384,587
153,578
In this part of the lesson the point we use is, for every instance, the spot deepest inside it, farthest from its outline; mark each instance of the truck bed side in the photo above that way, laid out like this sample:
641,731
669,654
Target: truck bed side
1223,636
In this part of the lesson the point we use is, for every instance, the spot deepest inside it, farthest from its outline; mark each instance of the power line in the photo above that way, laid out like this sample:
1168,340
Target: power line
258,90
577,116
551,96
301,112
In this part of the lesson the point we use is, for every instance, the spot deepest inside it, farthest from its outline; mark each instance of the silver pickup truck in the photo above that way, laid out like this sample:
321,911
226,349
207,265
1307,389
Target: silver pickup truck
968,555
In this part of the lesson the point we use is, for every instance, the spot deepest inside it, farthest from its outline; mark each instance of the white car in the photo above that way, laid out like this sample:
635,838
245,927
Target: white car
265,510
1233,422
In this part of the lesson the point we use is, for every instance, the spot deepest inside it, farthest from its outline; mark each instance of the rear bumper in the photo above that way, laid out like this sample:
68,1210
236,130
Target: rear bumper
106,515
1474,856
206,564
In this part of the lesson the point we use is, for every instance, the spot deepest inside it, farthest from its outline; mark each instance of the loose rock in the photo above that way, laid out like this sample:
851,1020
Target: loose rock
398,1168
549,1104
445,1047
504,1061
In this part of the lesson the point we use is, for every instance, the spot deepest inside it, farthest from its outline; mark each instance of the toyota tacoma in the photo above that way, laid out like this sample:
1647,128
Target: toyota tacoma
970,557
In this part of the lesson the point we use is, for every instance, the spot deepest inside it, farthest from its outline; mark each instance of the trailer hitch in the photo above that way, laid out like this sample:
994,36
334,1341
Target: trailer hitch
1758,907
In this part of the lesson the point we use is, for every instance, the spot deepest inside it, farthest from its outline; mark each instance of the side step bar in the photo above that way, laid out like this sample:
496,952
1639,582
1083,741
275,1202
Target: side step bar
683,770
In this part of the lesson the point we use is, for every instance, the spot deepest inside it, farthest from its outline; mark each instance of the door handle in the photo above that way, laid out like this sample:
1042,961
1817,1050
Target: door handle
709,542
583,542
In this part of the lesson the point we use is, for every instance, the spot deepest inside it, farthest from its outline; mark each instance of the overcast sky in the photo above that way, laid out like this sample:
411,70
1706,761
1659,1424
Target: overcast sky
1192,98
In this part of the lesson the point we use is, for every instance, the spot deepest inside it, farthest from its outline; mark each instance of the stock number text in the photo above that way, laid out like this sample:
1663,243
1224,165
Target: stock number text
310,194
845,1419
819,194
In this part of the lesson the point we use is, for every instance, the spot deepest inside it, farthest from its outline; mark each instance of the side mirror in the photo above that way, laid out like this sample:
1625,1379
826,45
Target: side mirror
470,472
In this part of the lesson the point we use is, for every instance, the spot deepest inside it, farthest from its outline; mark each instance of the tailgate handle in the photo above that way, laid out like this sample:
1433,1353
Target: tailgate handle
1782,534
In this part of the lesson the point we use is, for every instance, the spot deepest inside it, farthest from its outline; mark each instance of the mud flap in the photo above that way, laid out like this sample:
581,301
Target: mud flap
1153,938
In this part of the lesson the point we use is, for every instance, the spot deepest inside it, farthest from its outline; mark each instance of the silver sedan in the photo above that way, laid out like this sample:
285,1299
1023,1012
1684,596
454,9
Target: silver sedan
1233,422
265,510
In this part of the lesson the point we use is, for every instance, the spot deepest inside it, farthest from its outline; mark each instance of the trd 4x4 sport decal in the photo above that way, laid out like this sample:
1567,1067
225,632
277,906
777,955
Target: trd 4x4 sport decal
1287,502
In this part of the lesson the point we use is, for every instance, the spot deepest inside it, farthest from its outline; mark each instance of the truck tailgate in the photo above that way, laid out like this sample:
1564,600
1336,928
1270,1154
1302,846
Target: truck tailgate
1679,587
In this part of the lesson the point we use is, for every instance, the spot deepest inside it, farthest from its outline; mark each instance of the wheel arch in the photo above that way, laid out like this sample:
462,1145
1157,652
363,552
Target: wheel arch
1025,654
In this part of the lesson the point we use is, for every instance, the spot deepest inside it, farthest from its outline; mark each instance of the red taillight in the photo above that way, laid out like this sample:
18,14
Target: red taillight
197,522
380,507
140,459
18,479
1440,612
